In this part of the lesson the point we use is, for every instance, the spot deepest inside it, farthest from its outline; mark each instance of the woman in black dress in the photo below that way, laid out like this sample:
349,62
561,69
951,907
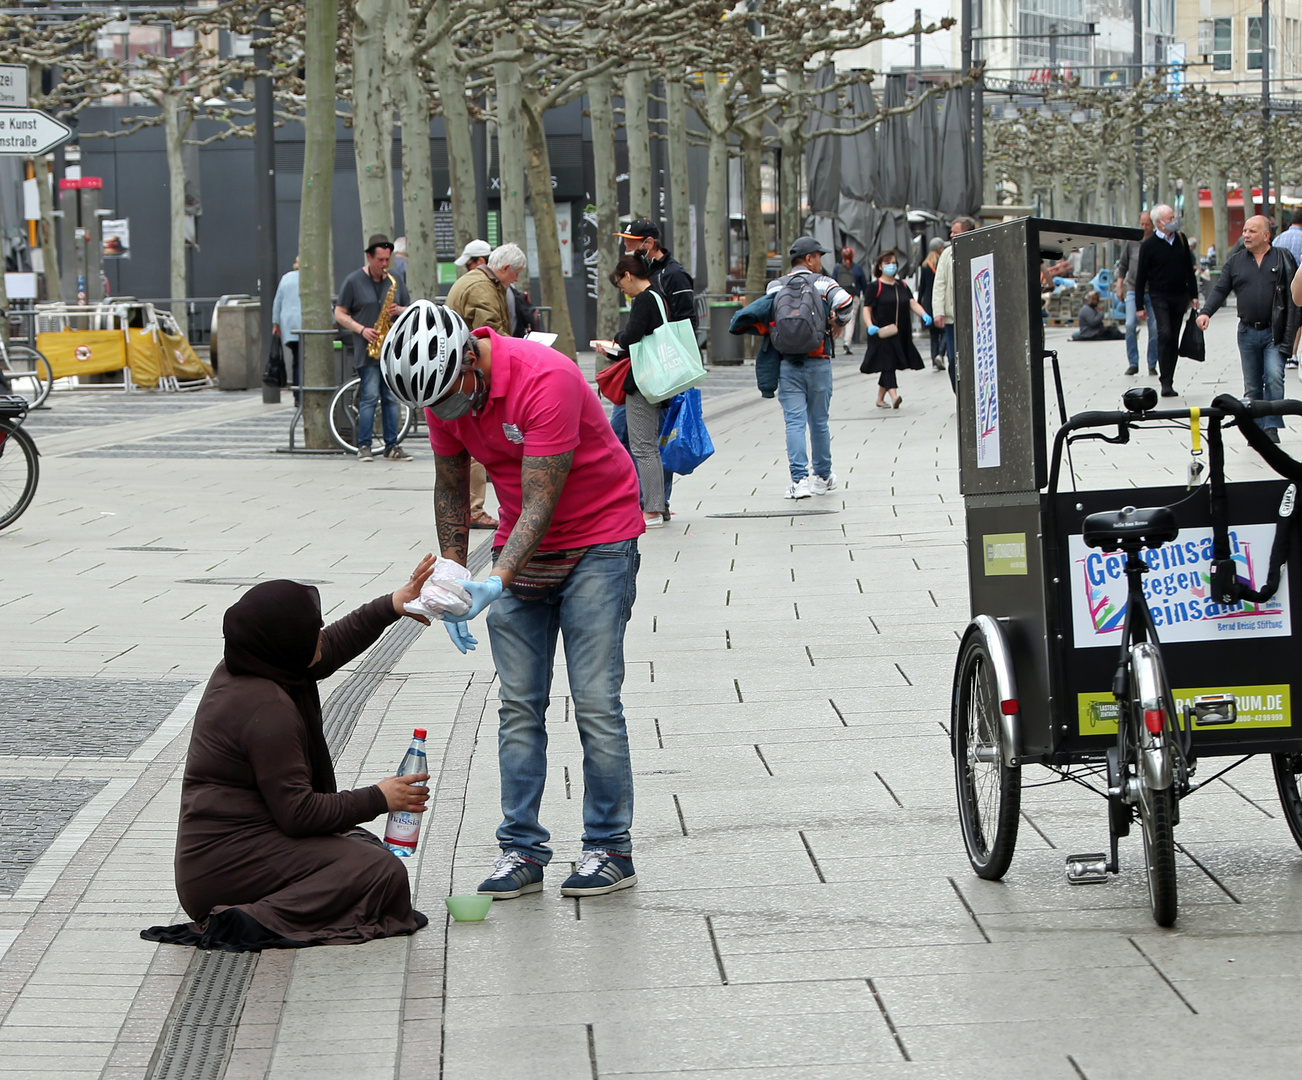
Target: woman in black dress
886,308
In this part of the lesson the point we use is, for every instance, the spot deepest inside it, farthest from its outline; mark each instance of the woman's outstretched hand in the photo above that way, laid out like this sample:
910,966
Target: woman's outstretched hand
411,590
401,793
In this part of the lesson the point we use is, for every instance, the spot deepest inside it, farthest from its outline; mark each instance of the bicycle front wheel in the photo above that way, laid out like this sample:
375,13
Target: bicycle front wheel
989,792
30,374
19,471
1288,774
343,416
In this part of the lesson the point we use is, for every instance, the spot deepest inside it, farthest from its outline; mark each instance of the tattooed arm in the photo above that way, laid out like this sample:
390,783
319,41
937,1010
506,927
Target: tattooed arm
452,505
541,480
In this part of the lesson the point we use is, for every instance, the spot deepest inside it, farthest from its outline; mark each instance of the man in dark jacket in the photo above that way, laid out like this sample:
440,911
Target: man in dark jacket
1266,328
1166,275
668,277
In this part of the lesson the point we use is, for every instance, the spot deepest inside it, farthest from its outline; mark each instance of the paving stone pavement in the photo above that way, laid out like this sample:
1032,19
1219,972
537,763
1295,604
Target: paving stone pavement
804,906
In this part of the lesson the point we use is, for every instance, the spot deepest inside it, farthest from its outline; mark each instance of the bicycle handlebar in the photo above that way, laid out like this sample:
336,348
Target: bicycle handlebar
1252,409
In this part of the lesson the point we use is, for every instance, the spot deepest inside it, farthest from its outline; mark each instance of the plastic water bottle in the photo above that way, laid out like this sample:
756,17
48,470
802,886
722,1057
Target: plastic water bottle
403,827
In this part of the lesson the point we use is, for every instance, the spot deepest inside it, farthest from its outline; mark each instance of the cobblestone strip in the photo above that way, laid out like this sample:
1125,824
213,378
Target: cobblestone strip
137,1041
422,1023
21,958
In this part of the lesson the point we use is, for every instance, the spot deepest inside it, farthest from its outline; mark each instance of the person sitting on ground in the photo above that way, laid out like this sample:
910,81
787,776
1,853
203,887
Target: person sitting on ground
1090,321
267,851
633,277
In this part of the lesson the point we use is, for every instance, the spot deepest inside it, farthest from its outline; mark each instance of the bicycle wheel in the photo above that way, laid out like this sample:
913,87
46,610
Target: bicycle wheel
1156,816
30,374
1288,775
989,792
343,416
19,471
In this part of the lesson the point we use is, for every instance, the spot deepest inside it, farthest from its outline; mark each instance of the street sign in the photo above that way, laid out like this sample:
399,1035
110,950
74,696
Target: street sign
13,86
27,132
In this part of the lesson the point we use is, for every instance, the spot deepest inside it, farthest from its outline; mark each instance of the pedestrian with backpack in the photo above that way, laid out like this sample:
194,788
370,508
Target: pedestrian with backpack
808,309
888,311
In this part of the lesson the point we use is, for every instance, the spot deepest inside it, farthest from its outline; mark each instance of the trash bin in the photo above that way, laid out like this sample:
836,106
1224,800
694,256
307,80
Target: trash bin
237,343
725,348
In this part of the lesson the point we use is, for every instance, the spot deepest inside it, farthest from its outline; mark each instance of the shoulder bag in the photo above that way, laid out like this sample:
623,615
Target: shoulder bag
667,361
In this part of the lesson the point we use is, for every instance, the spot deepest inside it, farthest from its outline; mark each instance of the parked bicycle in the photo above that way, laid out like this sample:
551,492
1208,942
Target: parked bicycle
19,466
343,415
24,372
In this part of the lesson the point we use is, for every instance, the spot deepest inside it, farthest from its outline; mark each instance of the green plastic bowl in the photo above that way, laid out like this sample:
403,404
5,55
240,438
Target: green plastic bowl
468,908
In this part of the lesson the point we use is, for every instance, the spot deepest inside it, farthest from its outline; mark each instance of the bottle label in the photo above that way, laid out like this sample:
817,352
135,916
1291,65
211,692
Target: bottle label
402,829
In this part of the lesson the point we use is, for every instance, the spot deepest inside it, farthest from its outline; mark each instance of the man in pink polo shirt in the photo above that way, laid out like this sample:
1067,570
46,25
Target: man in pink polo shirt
565,559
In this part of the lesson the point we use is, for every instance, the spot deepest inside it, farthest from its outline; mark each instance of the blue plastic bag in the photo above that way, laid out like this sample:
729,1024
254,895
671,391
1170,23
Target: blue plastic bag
684,441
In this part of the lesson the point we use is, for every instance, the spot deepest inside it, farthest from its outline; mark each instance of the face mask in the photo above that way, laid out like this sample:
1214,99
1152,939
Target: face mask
456,405
890,269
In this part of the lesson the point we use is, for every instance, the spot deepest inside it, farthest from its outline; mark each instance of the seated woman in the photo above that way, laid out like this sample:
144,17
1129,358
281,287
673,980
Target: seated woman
631,275
1090,320
267,852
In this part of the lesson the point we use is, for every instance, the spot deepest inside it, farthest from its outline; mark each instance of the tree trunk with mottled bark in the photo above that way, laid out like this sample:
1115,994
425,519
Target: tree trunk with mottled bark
510,148
175,125
456,126
680,187
372,117
314,219
551,276
417,175
637,135
1220,212
605,198
716,185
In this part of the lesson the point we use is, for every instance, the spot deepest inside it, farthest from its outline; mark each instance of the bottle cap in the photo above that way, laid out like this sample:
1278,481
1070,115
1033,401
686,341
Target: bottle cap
419,733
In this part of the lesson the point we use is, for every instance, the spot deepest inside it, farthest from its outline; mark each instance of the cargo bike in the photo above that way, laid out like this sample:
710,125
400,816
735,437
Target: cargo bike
1136,641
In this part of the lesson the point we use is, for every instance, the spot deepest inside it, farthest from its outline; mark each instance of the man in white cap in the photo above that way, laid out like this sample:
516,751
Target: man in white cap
474,254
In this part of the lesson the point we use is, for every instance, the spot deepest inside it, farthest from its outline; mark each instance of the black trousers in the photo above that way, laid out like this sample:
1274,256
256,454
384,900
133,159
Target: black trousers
1168,315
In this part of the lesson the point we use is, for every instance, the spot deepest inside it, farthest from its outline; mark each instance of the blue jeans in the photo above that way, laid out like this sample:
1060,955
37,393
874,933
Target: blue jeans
1263,370
1132,333
374,387
619,424
805,393
590,611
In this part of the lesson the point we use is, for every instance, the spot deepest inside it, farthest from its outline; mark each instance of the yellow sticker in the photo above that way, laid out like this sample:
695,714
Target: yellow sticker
1005,554
1258,707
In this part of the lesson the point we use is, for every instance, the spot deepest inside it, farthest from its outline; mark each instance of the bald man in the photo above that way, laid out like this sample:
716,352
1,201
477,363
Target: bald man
1166,274
1264,332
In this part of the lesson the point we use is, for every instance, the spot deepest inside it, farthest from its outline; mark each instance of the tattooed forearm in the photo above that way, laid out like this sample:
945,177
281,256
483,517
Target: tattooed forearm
541,480
452,505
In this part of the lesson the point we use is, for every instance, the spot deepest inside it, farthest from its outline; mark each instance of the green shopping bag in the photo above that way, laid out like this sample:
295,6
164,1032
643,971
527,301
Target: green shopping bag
666,362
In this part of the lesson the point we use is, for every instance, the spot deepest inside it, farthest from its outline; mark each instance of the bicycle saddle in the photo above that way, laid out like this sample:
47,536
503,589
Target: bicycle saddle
1115,530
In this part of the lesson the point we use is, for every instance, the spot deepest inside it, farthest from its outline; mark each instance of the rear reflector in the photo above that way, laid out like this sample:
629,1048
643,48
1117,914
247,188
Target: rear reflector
1153,720
1008,707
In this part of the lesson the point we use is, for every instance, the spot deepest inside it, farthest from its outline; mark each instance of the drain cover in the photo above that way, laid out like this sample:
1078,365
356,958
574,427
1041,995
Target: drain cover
147,548
772,513
242,582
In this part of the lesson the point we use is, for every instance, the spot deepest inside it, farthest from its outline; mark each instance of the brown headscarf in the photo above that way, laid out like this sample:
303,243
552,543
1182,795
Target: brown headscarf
271,633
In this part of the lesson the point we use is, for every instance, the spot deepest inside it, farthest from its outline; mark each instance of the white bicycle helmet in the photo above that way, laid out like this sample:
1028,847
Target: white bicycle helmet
421,357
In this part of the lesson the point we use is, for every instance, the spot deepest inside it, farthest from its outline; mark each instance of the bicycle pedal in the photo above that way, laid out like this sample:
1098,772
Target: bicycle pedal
1210,709
1089,869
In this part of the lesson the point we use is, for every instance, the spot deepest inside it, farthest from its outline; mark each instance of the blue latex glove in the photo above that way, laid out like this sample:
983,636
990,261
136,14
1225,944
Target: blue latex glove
872,329
460,636
482,593
926,319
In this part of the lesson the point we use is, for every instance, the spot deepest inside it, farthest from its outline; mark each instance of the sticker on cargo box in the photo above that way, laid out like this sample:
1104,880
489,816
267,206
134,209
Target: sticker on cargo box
1258,707
1005,554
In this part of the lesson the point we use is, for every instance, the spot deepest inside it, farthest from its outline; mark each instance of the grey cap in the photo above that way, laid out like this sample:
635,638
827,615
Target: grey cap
806,245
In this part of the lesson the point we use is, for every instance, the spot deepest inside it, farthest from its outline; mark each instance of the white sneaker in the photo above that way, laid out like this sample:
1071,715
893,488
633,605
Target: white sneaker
819,486
798,489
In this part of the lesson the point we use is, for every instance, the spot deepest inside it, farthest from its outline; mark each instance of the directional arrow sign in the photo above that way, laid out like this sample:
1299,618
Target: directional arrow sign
27,132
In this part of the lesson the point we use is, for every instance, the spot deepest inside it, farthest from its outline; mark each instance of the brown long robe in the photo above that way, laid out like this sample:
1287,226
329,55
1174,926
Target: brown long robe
254,834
